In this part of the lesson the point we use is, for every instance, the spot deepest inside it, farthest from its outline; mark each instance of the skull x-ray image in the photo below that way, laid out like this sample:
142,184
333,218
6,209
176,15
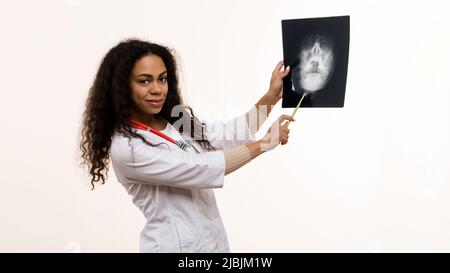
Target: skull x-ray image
316,49
315,63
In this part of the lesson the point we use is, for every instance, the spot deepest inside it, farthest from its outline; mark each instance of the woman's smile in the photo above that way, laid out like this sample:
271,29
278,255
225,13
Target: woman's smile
155,103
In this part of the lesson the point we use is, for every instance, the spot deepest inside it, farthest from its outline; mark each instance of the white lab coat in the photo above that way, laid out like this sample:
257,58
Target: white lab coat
173,188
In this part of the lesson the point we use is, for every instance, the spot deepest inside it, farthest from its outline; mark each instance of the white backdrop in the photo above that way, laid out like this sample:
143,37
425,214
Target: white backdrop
373,176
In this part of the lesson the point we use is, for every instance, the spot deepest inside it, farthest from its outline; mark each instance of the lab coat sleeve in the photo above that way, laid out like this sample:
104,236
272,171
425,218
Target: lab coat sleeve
229,134
144,164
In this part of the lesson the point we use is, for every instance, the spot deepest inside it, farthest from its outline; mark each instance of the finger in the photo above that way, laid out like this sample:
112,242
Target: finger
285,117
278,73
286,71
285,130
285,125
283,136
278,67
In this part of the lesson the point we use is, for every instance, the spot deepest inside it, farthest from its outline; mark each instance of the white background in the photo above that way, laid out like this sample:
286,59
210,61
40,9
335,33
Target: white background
373,176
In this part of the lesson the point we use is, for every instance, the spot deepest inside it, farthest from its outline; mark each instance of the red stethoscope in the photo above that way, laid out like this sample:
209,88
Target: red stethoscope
141,126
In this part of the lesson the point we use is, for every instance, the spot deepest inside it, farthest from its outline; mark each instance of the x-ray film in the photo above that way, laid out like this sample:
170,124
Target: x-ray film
316,49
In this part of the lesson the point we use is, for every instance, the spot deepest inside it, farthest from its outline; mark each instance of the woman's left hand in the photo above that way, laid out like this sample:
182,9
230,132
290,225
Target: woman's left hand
276,82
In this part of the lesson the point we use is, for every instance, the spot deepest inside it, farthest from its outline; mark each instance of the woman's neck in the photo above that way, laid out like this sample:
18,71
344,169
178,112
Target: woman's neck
150,120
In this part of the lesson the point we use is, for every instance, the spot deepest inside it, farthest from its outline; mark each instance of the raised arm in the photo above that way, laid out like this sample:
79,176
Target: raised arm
261,110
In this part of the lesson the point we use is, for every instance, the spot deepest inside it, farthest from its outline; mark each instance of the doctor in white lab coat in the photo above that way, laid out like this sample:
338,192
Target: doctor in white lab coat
170,175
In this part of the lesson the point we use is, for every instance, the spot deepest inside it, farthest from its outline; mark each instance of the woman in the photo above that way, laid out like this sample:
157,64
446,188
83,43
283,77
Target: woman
168,164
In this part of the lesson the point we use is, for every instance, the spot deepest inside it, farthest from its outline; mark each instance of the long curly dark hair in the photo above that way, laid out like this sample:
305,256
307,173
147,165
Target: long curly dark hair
109,104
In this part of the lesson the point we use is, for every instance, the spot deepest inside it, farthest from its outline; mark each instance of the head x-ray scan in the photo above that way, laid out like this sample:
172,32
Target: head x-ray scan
316,49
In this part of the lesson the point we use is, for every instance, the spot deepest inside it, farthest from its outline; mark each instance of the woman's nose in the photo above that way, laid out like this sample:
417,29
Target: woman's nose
155,88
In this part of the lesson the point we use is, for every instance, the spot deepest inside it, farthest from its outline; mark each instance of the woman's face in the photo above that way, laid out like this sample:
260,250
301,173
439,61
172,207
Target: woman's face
148,82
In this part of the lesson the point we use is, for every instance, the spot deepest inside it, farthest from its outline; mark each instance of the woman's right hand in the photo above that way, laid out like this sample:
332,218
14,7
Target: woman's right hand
277,133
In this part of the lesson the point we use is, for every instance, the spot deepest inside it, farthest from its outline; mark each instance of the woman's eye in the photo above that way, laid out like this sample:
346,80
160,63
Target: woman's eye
163,79
143,81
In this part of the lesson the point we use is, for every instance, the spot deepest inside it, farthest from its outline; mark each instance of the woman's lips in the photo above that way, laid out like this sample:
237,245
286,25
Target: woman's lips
155,103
